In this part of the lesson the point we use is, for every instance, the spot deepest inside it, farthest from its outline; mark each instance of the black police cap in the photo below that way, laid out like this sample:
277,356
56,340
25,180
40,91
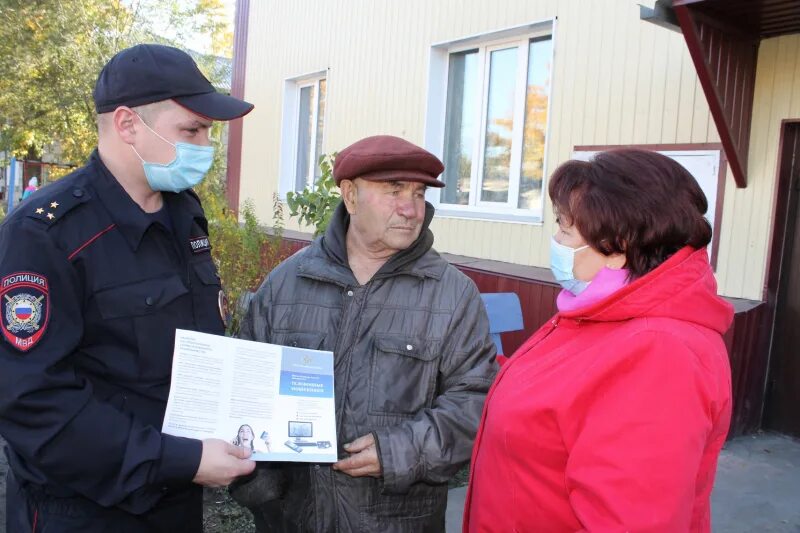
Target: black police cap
148,73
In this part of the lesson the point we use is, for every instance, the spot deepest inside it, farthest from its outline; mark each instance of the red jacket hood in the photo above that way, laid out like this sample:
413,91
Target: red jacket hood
683,287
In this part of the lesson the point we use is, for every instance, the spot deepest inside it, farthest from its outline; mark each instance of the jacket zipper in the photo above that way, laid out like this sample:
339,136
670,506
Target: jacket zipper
553,326
339,416
479,436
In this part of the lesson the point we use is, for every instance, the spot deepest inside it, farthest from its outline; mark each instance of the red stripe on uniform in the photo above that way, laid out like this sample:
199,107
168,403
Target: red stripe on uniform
35,519
90,241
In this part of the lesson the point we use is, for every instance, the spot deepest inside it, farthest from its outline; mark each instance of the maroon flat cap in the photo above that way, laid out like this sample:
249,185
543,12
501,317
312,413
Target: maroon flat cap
387,158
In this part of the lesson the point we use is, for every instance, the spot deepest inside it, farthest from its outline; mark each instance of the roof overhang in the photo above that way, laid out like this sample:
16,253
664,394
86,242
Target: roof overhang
723,37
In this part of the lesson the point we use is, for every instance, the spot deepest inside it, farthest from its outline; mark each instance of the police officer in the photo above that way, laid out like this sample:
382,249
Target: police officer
97,271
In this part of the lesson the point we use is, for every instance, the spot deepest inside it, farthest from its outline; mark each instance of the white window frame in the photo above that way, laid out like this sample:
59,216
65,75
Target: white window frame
290,127
436,114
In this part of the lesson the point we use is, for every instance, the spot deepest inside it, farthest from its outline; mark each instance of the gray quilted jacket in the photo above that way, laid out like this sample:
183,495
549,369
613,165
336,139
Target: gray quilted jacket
413,362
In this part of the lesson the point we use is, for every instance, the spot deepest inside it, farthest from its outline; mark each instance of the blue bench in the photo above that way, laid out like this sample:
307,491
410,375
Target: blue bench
505,314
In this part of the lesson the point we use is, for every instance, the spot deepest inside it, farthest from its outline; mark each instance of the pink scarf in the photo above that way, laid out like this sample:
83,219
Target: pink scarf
605,283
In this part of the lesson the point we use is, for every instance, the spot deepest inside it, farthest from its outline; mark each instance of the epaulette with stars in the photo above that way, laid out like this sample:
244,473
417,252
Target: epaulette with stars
53,208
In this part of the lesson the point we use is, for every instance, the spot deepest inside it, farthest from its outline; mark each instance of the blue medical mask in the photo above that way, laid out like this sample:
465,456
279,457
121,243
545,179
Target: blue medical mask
562,262
189,167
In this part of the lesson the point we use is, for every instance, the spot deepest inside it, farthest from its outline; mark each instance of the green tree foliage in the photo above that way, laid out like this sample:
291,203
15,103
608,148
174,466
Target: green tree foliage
243,251
314,206
51,52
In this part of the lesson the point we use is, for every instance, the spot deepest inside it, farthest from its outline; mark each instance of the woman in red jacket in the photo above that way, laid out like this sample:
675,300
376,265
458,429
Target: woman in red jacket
611,416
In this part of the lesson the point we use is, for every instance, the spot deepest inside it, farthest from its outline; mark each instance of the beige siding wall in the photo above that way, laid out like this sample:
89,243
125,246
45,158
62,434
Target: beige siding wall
616,80
748,216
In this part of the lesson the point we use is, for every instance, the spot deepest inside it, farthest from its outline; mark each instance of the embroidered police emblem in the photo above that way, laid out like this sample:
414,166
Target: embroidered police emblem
25,309
224,310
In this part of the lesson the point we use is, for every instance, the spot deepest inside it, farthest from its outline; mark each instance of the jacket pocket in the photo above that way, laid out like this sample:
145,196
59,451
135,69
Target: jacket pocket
298,339
139,298
420,515
402,376
207,273
210,309
147,313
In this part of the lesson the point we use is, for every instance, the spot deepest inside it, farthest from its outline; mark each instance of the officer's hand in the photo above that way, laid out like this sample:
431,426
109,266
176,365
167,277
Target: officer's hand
363,460
221,463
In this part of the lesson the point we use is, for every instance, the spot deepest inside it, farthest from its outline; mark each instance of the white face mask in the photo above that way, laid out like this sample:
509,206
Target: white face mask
562,263
189,167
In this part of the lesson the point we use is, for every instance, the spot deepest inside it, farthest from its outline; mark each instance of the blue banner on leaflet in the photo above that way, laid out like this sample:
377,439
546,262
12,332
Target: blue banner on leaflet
305,373
309,385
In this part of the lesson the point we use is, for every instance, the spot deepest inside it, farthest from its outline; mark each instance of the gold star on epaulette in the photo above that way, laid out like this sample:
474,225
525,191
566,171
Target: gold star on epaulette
39,211
50,216
54,205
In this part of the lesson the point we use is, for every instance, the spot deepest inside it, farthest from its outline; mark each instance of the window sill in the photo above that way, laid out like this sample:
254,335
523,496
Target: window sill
514,218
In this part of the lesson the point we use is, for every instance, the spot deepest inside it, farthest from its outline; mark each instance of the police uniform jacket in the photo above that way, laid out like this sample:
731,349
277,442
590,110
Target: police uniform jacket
93,289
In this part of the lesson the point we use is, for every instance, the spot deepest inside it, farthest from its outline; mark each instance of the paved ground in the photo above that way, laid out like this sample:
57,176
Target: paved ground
757,488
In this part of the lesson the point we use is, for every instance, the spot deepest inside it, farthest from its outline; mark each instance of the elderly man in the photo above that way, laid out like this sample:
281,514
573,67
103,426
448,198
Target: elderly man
97,271
413,354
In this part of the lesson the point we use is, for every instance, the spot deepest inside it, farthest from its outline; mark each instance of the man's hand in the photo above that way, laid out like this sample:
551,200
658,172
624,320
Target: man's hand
221,463
363,460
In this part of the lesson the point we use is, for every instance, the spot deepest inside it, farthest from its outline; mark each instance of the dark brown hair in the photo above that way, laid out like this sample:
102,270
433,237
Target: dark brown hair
634,202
